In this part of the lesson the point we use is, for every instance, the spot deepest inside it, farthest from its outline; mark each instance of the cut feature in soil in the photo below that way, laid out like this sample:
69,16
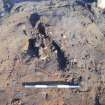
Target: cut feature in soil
41,29
62,60
34,18
15,100
97,100
32,49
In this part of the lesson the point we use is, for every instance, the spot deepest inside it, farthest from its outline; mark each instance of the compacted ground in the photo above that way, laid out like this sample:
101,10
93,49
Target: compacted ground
52,41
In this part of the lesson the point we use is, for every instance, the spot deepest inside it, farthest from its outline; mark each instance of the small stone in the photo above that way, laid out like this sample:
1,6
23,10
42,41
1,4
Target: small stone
101,4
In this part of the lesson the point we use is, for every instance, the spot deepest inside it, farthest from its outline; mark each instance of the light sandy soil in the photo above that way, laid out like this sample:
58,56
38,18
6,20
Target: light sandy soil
82,41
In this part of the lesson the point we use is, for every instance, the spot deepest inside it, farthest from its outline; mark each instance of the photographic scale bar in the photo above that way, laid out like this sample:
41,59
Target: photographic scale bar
44,85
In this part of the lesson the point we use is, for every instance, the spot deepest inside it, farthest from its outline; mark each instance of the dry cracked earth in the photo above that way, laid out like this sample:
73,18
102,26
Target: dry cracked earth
59,40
